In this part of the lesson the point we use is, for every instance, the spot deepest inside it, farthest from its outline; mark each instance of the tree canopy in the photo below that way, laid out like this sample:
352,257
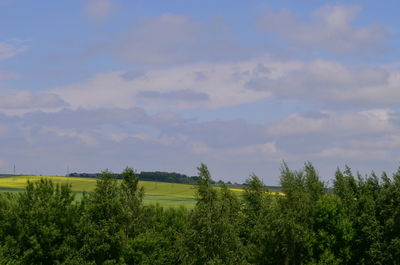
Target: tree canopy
354,222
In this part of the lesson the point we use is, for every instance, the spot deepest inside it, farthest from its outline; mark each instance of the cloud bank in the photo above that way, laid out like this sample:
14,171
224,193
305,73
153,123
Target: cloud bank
165,92
330,29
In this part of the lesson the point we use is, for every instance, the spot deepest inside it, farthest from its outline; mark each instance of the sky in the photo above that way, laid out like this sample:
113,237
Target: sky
241,86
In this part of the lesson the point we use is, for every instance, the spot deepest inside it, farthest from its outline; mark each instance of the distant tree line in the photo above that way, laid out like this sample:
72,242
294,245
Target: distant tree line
355,222
170,177
5,175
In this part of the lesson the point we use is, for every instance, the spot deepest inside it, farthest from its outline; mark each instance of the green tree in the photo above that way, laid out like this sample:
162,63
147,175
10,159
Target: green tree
41,224
360,196
256,201
132,203
389,217
10,251
290,236
158,244
332,232
212,235
102,239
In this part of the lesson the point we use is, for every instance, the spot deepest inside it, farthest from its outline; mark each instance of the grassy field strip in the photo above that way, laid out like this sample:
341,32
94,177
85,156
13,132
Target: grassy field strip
163,193
166,194
171,189
88,184
78,184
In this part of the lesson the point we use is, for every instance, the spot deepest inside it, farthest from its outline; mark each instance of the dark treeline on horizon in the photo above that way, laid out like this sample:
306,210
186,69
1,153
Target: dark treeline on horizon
355,222
159,176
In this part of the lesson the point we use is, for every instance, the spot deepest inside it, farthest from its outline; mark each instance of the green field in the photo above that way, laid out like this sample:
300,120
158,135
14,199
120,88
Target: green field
165,194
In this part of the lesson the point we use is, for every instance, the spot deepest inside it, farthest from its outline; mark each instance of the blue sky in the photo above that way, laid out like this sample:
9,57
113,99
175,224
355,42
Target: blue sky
165,85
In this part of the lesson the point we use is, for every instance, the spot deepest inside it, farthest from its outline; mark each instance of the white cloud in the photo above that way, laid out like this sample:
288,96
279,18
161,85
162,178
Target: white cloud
85,138
178,64
120,137
172,39
155,41
172,88
11,48
234,148
352,154
330,29
374,121
198,147
127,137
385,141
174,95
26,101
264,150
99,9
333,83
229,84
365,139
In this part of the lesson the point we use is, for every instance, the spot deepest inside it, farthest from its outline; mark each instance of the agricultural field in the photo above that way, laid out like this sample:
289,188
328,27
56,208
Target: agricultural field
165,194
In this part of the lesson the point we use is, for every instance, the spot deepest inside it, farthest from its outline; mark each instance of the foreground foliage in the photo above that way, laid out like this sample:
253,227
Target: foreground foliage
355,222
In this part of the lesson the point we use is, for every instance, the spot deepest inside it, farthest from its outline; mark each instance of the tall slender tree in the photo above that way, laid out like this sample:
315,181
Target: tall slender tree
212,236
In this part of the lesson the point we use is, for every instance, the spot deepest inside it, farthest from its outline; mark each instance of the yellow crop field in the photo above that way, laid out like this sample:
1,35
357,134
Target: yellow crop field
88,184
168,194
19,182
